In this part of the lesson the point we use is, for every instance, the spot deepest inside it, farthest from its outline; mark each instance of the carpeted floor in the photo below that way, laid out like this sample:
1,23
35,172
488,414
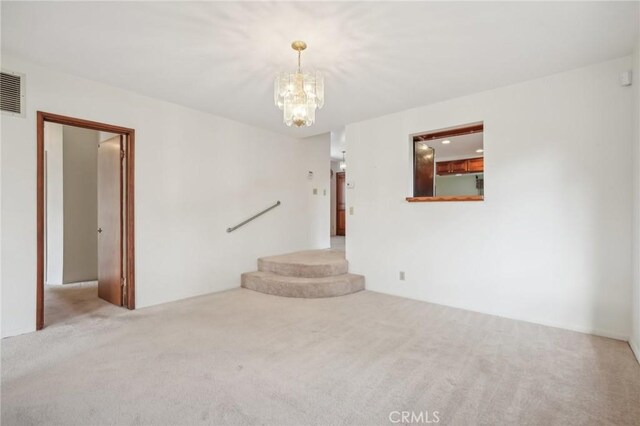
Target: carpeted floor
73,303
241,357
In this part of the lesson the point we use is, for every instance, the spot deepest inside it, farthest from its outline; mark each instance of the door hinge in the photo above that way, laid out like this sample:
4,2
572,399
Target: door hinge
122,154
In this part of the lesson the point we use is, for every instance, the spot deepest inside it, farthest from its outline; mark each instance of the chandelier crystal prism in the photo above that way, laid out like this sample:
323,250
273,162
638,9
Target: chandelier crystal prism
298,94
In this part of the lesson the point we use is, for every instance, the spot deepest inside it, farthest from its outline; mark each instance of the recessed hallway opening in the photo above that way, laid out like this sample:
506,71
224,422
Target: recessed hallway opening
85,217
338,242
338,189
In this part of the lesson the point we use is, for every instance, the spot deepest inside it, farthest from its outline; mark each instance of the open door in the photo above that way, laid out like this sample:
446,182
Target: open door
110,271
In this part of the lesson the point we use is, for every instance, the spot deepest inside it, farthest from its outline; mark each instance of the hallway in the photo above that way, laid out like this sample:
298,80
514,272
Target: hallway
70,304
338,242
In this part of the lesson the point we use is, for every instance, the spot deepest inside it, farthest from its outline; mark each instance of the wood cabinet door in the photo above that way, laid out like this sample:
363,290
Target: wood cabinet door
475,165
442,168
459,166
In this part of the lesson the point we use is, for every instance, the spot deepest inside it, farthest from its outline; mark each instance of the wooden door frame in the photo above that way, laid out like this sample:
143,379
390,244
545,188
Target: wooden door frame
128,207
344,174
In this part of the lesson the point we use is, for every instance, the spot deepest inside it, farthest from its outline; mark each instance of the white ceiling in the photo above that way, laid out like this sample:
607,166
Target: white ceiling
377,58
463,146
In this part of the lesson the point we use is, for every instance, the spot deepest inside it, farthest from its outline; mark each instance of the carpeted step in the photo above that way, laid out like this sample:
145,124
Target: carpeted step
308,264
290,286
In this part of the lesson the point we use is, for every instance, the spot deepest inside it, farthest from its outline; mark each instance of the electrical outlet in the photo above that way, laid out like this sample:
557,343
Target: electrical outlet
401,275
315,191
351,210
324,192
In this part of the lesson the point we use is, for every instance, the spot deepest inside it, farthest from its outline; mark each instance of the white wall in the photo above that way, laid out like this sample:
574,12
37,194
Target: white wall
80,148
551,242
635,335
457,185
317,189
196,175
103,136
71,215
54,219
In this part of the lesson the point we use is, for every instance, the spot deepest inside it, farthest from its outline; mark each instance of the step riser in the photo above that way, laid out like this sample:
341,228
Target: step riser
304,274
300,270
340,286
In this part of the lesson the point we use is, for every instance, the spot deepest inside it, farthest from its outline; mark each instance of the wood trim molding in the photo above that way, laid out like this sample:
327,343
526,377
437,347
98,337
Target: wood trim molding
129,222
85,124
458,131
41,118
40,222
343,176
445,198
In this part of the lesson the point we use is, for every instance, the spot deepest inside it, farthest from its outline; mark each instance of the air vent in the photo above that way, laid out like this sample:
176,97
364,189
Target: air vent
12,93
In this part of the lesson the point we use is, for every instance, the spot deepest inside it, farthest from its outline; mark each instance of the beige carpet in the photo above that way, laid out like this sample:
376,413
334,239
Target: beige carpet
242,357
74,302
308,274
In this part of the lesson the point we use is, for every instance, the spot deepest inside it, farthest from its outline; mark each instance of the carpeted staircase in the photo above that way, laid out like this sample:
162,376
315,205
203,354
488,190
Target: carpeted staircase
307,274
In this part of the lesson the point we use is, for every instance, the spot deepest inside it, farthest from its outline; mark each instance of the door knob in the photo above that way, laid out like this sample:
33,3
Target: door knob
99,230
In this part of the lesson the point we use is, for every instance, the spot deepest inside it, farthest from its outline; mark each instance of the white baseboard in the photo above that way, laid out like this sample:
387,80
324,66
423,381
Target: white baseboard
570,327
583,330
635,348
17,332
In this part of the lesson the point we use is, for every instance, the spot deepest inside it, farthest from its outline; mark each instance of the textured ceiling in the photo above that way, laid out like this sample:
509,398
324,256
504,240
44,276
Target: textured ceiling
377,58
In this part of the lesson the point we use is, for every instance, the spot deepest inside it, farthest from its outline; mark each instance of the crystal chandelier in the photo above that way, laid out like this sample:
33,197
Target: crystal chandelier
298,94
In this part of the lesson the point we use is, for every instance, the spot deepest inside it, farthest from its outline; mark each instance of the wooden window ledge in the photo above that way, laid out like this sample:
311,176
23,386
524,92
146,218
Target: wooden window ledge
446,198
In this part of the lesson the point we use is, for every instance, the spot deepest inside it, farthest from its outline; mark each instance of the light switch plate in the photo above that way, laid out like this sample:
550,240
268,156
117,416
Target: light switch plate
315,191
626,78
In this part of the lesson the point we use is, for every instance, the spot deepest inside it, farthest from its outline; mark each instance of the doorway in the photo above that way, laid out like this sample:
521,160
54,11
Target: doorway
341,219
337,192
113,236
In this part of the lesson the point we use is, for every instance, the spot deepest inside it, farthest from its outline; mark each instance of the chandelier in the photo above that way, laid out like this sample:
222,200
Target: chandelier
298,94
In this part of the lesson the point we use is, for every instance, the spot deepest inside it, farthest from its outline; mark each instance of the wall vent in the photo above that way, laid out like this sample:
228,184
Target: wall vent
12,93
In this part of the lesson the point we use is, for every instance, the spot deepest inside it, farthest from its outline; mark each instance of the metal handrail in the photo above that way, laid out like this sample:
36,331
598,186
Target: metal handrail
253,217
